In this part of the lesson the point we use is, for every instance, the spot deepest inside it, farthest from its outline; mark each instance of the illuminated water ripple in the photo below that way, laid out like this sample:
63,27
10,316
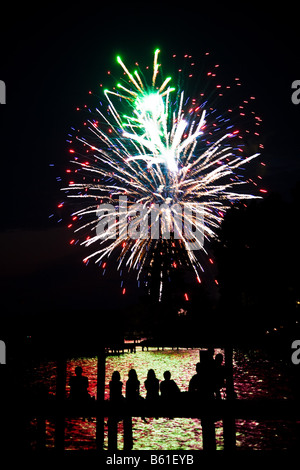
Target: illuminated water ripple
255,376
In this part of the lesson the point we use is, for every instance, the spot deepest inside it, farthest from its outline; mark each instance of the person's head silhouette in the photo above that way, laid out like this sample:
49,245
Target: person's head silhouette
78,371
115,376
132,375
167,375
151,374
198,367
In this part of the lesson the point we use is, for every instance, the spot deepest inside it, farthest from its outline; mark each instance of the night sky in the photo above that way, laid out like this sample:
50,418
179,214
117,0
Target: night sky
50,60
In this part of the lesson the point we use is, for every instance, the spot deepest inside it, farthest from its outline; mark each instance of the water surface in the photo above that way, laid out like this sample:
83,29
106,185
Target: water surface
255,376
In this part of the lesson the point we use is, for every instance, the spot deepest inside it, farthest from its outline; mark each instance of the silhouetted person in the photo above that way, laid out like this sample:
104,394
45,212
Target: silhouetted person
115,387
79,386
152,385
219,375
203,382
132,396
207,373
168,388
195,384
115,396
132,386
208,354
202,386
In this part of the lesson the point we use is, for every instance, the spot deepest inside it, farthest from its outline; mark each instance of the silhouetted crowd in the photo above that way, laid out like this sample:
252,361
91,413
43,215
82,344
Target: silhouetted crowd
208,382
154,389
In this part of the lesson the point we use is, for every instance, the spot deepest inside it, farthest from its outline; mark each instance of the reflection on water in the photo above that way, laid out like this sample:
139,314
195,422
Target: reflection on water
254,376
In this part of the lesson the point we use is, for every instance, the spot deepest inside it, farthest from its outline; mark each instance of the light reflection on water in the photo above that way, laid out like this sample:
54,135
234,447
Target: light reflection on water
254,377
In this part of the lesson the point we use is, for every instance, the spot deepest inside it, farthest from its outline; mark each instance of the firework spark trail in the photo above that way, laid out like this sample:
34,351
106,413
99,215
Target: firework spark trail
151,155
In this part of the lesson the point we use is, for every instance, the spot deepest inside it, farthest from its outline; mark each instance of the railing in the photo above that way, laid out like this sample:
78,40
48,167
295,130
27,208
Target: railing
225,410
208,411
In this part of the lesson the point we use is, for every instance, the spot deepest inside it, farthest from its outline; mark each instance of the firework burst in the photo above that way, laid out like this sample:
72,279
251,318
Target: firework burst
153,146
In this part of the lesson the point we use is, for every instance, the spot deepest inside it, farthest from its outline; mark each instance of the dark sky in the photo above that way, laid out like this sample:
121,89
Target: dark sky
49,61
